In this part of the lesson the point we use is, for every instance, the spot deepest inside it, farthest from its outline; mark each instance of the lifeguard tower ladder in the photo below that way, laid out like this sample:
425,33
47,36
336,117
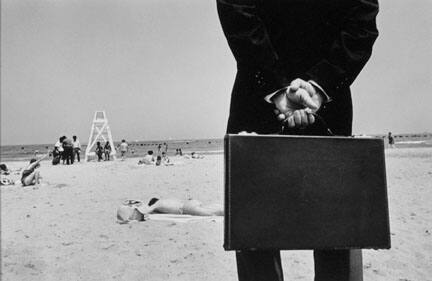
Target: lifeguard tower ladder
100,131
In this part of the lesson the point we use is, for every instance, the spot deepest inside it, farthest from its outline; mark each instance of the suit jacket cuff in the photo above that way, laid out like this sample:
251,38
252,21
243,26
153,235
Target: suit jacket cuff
320,90
269,97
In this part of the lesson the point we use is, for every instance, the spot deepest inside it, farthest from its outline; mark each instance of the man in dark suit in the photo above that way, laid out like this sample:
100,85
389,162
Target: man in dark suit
296,60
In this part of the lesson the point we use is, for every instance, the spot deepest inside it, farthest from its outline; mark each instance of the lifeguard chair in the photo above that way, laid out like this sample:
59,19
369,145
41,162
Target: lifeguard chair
100,131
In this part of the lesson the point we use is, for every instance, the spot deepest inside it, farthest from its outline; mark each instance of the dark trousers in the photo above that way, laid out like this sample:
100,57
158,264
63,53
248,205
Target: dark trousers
76,152
330,265
68,155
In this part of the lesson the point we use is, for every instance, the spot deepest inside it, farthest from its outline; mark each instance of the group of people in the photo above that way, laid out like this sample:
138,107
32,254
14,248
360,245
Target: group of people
29,175
103,152
165,148
66,150
179,152
160,159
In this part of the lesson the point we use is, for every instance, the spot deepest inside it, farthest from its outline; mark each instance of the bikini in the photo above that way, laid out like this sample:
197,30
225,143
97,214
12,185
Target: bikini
26,173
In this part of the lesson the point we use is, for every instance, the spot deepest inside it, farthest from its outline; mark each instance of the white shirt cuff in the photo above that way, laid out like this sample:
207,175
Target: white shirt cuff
269,97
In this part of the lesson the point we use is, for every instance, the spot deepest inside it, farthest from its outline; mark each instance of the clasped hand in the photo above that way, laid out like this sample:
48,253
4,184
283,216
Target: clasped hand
296,104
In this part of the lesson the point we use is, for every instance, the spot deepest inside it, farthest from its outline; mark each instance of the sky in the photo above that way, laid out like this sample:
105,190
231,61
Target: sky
161,69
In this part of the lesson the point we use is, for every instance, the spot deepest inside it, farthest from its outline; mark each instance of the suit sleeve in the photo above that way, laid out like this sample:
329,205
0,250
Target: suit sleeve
350,50
245,31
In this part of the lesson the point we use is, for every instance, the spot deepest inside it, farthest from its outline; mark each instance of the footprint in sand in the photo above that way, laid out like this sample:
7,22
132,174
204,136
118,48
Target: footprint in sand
30,265
108,247
60,185
378,272
138,253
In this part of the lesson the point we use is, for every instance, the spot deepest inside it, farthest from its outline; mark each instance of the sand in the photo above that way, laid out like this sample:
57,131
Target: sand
67,230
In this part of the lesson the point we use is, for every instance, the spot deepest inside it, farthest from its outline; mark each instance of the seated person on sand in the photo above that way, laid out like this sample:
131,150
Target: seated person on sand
140,212
158,160
30,176
165,159
4,170
148,159
195,155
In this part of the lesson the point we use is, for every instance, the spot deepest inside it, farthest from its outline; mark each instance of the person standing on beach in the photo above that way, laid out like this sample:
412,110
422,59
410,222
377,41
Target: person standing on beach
58,148
76,148
99,151
296,61
123,149
391,140
107,151
68,150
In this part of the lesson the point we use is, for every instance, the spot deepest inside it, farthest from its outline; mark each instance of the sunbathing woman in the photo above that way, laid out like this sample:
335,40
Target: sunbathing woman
30,176
137,211
187,207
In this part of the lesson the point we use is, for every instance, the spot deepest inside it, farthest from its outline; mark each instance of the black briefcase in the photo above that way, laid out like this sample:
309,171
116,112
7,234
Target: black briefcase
296,192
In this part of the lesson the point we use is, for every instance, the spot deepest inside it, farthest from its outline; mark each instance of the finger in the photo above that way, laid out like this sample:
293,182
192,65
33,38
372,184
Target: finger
290,122
305,99
297,118
281,117
304,118
311,118
300,83
295,84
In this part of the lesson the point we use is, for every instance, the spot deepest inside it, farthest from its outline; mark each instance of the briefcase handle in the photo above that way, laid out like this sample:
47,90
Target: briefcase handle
319,128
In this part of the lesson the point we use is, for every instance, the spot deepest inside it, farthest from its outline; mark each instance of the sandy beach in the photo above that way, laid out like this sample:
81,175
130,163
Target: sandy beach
66,229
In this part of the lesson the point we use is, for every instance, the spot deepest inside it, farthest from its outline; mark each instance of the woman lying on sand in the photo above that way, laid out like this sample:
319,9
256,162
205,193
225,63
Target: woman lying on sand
135,210
30,176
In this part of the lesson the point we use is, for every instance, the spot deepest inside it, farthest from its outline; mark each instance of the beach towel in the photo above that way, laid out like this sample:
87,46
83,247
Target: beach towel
182,218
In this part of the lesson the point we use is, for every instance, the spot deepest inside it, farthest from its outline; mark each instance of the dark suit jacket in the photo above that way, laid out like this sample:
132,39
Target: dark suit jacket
276,41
